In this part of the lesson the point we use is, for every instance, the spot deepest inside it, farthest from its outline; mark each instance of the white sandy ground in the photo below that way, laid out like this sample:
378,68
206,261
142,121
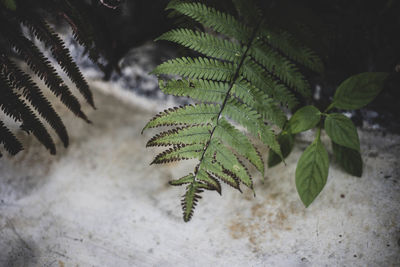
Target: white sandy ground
99,203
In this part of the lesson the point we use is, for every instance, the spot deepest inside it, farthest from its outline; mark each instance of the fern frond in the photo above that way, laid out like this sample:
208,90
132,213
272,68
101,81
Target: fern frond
204,90
185,115
19,93
259,78
190,199
229,26
218,171
197,68
42,67
235,139
187,179
82,29
228,160
45,33
290,47
15,107
22,81
209,182
212,18
179,152
251,120
204,43
10,142
280,66
240,81
259,100
198,134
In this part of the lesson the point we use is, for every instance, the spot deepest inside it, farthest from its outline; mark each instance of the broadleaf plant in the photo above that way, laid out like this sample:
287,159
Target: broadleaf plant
246,74
312,168
312,171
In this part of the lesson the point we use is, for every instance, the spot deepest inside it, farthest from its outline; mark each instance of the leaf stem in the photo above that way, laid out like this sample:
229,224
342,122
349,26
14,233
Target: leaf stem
235,77
331,106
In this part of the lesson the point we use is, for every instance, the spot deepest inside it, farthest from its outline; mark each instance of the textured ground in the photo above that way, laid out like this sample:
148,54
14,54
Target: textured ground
99,203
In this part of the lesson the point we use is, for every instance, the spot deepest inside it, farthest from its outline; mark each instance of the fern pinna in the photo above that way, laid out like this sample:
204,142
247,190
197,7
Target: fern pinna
20,96
246,73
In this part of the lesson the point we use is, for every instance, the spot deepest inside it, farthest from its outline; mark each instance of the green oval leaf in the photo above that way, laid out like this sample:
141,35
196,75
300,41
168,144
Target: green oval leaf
312,172
349,159
286,141
359,90
342,131
304,119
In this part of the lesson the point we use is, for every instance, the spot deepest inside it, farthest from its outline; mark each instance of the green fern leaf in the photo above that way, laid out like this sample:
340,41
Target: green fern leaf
190,199
229,135
204,90
204,43
286,71
250,119
241,81
253,97
290,47
186,115
209,181
226,158
179,152
218,171
198,134
259,78
212,18
197,68
187,179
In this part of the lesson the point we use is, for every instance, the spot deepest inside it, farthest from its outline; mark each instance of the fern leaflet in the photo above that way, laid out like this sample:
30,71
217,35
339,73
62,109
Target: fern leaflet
241,79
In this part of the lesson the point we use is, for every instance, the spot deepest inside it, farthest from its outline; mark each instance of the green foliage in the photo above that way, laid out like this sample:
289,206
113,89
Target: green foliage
286,141
304,119
348,158
312,171
358,90
243,76
312,168
342,131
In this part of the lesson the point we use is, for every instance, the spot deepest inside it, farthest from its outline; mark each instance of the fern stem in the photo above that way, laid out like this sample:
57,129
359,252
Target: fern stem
235,77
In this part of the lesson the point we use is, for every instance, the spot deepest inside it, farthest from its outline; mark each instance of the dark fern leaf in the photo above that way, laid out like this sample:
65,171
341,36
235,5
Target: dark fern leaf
21,81
18,92
60,53
10,142
83,31
13,106
43,68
